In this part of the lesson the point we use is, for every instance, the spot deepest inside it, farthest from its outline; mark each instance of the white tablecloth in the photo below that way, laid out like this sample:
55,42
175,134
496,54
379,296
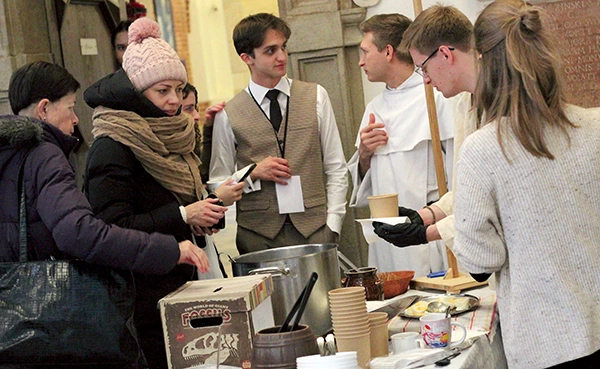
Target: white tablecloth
486,353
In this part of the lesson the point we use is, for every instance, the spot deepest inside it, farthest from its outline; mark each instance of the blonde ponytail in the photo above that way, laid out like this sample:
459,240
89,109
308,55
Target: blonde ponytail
519,74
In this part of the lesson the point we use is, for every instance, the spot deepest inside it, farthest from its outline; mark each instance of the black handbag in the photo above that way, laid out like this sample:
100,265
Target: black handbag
57,313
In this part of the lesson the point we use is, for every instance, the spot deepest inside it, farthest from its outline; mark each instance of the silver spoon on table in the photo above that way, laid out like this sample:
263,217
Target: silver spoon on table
438,307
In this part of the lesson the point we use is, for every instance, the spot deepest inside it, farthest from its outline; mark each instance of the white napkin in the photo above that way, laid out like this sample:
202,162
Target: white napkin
369,231
410,359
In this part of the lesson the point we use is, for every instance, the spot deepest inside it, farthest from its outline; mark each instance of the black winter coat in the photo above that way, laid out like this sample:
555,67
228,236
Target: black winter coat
59,218
122,192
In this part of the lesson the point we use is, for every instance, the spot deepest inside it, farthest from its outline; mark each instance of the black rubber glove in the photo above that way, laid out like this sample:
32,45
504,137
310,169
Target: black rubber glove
411,214
403,234
480,277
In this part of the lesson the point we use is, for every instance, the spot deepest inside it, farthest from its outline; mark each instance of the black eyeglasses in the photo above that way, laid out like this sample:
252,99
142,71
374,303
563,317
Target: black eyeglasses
419,68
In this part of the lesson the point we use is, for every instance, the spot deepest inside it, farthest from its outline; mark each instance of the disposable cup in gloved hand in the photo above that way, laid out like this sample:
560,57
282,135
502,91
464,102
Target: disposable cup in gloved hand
403,234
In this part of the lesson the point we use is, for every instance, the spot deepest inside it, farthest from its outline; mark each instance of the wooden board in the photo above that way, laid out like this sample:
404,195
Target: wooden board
450,285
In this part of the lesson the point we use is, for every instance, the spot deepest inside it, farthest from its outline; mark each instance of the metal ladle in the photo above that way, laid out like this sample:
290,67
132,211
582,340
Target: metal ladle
438,307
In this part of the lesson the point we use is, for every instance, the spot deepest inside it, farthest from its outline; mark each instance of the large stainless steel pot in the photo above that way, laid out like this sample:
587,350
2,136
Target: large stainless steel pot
291,268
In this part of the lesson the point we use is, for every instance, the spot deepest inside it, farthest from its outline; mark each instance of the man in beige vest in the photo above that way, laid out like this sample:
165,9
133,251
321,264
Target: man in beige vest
297,192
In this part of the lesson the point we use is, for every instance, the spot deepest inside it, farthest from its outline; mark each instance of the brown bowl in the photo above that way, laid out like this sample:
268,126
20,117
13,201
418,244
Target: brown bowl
395,283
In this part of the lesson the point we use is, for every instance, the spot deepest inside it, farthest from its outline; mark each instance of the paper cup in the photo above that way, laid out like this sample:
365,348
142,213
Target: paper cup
347,291
383,206
348,307
379,340
378,317
361,344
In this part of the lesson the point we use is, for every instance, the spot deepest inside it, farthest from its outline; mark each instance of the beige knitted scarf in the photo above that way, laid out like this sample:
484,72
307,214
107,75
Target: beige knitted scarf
164,146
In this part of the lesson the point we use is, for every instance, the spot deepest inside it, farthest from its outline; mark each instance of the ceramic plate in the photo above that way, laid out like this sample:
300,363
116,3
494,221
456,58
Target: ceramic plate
460,303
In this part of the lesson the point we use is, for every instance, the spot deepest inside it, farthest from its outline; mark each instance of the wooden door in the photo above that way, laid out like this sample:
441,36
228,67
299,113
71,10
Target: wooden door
85,28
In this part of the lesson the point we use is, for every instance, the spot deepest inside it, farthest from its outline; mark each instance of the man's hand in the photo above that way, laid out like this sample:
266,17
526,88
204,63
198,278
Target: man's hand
413,215
371,137
403,234
193,255
272,169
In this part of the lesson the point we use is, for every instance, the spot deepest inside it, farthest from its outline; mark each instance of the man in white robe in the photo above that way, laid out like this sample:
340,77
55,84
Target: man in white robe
394,142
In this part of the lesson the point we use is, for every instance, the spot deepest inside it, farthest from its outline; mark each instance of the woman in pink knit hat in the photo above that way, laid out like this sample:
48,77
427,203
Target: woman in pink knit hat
142,172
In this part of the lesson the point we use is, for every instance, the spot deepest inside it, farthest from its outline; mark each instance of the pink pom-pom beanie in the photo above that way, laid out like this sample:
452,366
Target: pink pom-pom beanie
148,58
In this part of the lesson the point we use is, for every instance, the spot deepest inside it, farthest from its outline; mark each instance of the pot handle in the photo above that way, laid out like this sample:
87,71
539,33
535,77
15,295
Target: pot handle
276,272
347,264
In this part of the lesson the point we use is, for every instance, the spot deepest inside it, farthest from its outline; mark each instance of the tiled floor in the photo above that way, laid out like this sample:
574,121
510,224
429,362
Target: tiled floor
225,240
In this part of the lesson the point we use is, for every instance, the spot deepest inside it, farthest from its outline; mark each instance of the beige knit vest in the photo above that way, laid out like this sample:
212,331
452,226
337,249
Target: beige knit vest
258,211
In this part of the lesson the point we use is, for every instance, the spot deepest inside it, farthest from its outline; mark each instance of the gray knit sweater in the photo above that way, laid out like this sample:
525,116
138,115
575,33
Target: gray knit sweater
535,222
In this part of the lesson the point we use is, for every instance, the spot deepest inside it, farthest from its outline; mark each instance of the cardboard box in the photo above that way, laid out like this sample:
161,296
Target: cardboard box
215,320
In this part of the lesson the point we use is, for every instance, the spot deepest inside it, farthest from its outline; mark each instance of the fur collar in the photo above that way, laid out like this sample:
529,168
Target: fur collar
20,132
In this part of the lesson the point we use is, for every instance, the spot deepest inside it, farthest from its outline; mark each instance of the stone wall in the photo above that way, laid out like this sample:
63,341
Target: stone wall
181,22
20,43
576,25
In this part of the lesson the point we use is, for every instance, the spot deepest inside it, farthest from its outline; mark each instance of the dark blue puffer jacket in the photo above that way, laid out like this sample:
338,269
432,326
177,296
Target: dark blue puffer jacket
59,217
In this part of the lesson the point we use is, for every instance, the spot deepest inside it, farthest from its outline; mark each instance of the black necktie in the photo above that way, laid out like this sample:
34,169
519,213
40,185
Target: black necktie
274,109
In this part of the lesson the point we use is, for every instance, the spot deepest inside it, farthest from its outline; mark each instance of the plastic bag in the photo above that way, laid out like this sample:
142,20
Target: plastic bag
66,312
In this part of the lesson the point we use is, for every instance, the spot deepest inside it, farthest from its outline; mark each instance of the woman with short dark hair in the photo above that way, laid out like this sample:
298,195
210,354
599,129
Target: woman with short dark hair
60,221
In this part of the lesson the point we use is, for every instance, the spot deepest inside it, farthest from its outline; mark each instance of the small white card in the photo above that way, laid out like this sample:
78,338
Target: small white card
289,197
89,46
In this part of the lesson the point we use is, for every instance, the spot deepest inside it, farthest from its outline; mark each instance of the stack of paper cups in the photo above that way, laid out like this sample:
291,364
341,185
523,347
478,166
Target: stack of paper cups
379,334
342,360
350,320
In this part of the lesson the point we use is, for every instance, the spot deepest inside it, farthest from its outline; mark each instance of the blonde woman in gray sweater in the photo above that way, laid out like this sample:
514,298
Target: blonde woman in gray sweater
528,194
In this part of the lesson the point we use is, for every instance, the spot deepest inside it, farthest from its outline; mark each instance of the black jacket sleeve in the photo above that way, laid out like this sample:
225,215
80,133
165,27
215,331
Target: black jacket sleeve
122,192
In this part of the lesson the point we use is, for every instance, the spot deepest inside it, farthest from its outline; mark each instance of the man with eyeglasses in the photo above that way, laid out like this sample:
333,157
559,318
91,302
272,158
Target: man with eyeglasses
440,41
394,153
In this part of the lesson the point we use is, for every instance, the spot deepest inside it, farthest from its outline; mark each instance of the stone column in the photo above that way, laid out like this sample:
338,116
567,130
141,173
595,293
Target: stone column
324,48
29,35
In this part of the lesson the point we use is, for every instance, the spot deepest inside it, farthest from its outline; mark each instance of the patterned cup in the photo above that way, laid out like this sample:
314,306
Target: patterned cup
436,330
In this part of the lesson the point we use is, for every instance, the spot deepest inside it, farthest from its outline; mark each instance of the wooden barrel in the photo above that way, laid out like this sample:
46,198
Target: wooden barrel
272,350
